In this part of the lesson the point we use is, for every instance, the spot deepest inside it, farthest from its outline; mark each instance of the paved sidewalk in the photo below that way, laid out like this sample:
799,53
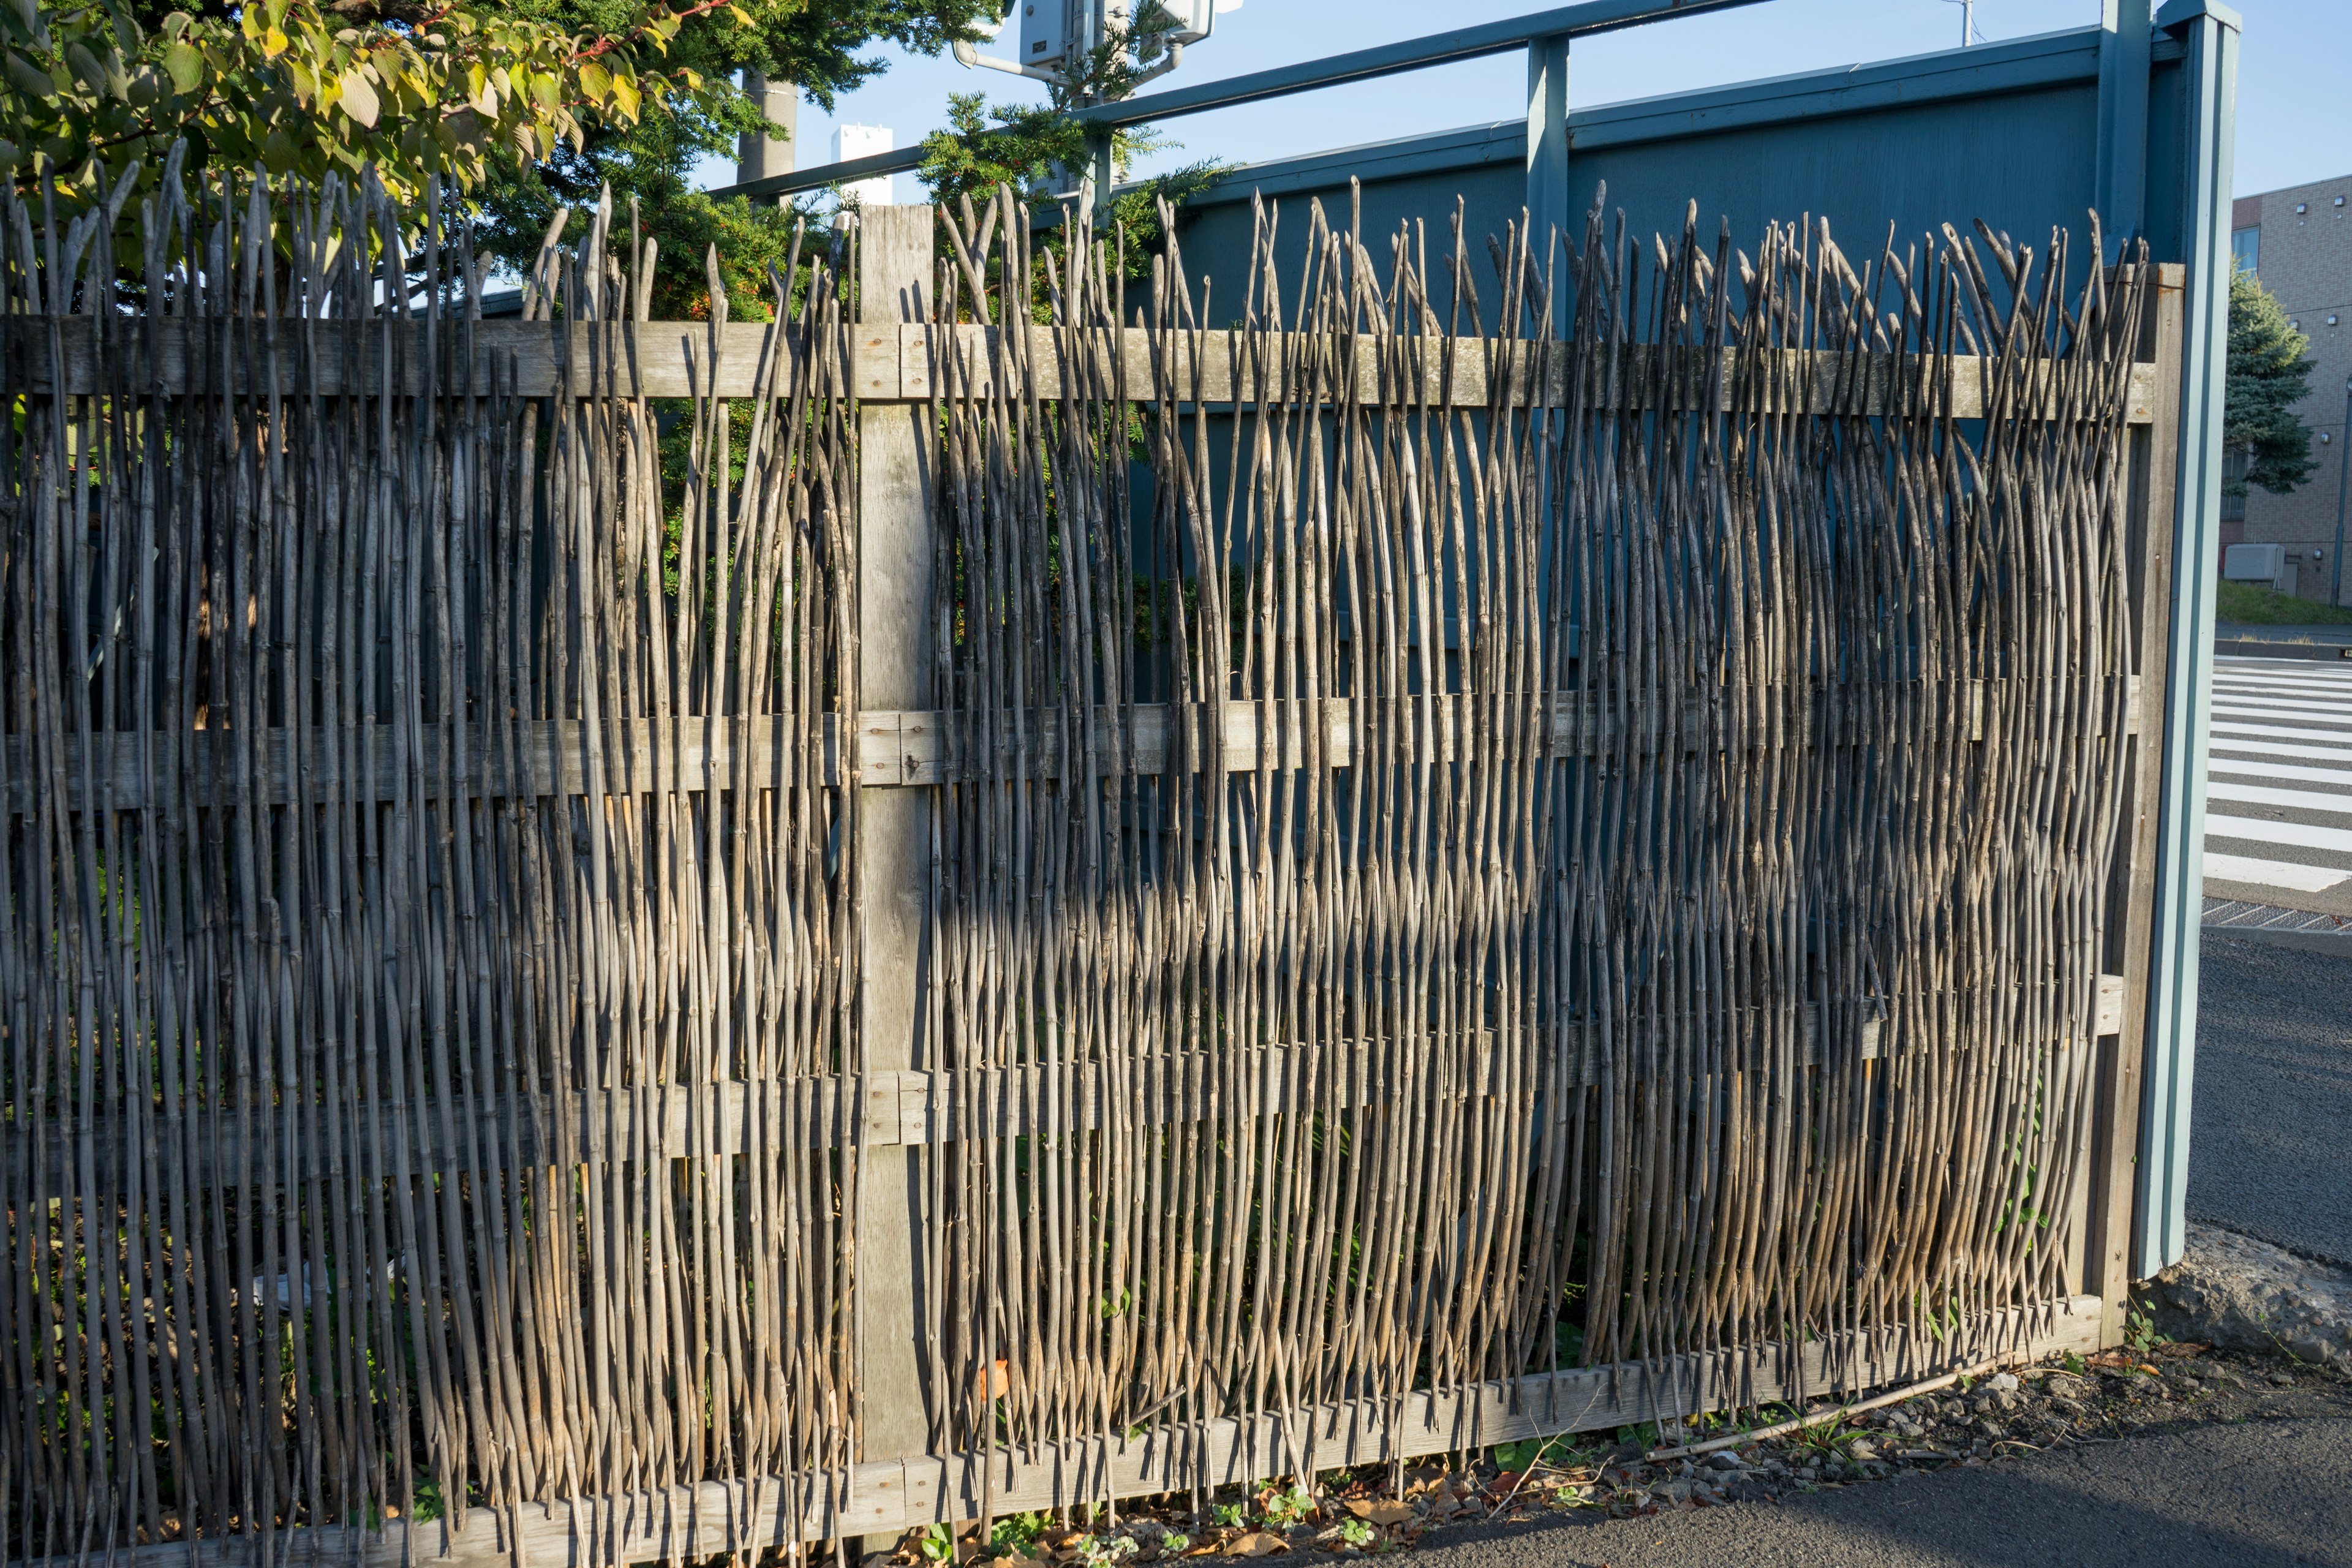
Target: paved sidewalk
2270,1492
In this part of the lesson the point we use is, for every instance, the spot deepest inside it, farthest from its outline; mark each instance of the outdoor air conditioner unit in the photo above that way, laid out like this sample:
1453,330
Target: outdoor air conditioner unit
1045,31
1194,18
2254,563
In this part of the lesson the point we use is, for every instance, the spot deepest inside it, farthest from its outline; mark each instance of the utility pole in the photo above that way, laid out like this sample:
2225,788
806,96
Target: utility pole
2343,473
757,153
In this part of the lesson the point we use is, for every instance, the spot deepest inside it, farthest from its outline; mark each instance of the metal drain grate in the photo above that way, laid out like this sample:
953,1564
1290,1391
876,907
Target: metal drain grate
2242,915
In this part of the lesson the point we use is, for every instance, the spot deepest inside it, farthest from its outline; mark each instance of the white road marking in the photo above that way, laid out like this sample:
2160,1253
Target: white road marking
2301,711
2286,710
2264,768
2272,873
2302,835
2294,732
2290,799
2279,748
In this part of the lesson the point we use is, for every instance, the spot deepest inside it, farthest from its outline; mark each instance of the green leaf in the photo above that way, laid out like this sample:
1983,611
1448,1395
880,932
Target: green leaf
187,65
85,66
30,78
359,100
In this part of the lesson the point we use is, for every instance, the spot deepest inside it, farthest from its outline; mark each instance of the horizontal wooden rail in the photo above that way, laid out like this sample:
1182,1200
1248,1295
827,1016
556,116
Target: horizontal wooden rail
679,1121
648,756
884,1498
900,363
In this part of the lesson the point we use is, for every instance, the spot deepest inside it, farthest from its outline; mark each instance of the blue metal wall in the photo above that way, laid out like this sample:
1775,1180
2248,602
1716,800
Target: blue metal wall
2007,132
2133,116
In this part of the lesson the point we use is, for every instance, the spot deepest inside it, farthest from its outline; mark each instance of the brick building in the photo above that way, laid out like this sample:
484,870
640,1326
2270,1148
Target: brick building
2300,240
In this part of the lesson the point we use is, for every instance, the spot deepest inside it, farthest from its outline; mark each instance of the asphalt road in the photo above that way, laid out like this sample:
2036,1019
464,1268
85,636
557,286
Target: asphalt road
2270,1149
2269,1492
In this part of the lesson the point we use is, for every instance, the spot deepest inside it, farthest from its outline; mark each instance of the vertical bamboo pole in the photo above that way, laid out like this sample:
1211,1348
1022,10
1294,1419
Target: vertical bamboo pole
895,655
2115,1132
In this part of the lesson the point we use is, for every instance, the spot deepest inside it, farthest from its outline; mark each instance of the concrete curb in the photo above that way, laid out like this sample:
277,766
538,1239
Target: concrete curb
2338,943
2241,1294
2241,648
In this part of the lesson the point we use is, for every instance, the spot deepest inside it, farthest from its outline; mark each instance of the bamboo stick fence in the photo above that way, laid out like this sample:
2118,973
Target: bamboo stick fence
1097,902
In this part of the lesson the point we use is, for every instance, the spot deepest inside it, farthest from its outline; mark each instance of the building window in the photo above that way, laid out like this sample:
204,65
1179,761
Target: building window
2246,248
2234,463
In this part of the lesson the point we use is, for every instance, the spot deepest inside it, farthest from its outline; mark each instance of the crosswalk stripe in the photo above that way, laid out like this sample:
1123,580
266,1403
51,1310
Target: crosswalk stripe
2324,716
2294,732
2279,749
2273,683
2291,799
2271,708
2239,700
2282,682
2280,670
2297,688
2272,873
2302,835
2278,695
2264,768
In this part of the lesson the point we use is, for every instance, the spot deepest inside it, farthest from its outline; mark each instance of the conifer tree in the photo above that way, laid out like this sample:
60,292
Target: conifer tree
2269,374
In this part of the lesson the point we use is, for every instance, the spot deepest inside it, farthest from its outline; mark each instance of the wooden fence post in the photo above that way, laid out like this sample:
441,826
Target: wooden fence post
2131,898
895,471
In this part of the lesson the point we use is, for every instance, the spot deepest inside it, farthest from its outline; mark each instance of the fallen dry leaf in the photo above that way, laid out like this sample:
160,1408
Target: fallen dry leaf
1259,1543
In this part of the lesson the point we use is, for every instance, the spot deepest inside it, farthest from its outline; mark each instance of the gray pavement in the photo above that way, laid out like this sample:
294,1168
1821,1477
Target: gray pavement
2270,1151
2269,1492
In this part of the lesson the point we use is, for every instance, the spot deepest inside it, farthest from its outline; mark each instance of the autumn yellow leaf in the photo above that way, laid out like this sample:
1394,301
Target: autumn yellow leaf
359,100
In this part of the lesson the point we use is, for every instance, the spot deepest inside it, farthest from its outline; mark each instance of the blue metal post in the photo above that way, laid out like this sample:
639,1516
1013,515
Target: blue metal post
2121,191
1546,142
2209,35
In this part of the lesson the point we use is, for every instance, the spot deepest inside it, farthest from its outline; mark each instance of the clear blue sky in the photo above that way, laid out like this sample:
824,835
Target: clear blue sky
2294,86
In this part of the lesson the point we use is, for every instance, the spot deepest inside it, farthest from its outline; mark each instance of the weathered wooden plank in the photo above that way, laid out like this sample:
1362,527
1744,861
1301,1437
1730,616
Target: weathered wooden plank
884,1109
885,1498
1235,367
894,748
372,762
909,362
470,1133
387,356
897,488
2153,463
